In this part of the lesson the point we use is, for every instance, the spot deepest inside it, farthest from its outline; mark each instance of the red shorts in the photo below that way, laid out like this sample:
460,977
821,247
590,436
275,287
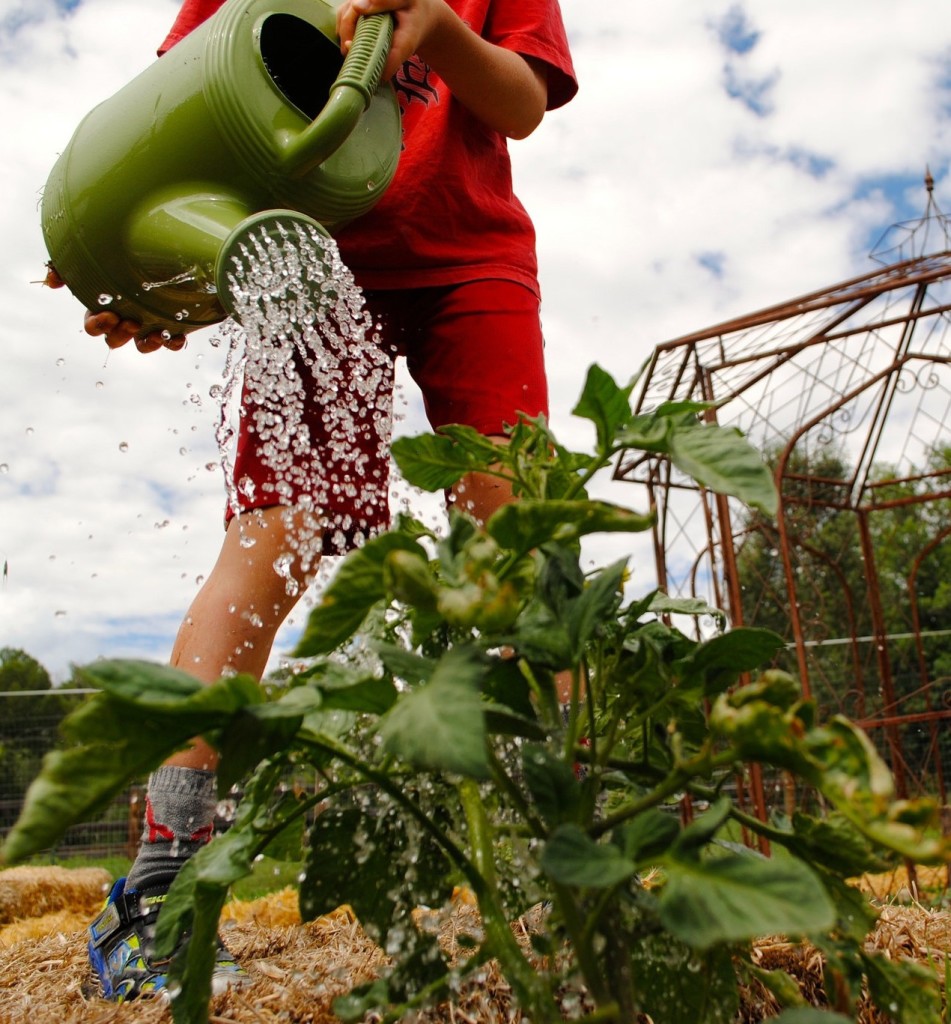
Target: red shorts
476,352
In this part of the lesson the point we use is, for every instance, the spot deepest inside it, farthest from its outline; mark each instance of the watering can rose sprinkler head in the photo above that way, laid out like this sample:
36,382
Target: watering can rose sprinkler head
251,134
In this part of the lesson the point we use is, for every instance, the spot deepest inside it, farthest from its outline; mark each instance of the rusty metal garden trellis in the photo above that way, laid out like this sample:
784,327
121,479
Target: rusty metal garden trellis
847,391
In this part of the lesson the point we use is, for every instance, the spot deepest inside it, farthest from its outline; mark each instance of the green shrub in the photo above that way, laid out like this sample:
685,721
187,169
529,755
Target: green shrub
426,701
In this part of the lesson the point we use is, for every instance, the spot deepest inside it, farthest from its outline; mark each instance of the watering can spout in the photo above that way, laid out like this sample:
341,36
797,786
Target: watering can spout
188,245
253,122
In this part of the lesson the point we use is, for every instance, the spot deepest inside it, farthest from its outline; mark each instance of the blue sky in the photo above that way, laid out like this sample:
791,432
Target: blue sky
719,158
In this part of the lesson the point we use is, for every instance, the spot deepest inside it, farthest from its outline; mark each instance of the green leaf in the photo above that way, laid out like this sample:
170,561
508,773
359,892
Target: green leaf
720,661
141,682
191,968
505,685
647,432
543,638
732,898
598,603
649,836
571,857
248,738
287,844
552,784
682,408
784,987
357,587
150,688
409,578
406,665
678,985
440,725
524,525
605,404
374,858
662,604
834,842
480,448
349,863
188,923
904,990
723,460
855,914
217,865
434,462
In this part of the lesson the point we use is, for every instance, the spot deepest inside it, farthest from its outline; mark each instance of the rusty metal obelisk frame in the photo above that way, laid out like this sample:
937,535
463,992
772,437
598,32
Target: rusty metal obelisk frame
847,391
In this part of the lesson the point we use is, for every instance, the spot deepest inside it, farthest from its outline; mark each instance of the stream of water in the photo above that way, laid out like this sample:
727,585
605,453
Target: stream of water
302,340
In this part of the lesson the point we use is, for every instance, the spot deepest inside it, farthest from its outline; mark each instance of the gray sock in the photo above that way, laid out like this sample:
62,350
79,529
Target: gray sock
179,814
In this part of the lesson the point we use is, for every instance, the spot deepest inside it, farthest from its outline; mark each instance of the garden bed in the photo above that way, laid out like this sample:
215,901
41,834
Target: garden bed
296,969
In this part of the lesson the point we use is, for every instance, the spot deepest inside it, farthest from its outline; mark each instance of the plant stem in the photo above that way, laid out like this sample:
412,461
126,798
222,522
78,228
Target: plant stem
678,779
500,776
580,941
529,987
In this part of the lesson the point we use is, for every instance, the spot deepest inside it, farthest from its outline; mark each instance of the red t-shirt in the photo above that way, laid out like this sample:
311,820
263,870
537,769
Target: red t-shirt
450,214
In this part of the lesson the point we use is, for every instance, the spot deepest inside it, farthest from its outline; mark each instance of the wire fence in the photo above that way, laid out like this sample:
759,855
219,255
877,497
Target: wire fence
29,729
28,732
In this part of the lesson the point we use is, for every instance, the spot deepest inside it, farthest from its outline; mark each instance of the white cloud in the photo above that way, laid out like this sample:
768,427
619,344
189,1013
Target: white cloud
663,204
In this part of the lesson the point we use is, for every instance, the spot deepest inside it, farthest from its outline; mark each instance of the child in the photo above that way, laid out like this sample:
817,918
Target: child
447,263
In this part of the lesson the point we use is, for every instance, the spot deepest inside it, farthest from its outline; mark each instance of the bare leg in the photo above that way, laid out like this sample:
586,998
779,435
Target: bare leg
480,494
231,624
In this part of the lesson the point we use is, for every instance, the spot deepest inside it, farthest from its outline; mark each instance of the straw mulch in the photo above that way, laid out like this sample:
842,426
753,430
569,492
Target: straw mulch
296,970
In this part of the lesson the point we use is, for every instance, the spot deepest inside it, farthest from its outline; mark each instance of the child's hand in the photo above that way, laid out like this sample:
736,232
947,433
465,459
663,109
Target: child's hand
416,20
116,330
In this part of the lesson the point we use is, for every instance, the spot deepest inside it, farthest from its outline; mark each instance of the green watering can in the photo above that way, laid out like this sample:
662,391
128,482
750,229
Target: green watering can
254,122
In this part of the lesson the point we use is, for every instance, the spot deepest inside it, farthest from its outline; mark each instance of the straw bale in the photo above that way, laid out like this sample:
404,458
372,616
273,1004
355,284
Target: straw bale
35,891
915,933
40,927
277,910
898,885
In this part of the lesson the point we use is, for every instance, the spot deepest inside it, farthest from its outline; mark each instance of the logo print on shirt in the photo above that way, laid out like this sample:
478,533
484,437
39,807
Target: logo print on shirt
412,83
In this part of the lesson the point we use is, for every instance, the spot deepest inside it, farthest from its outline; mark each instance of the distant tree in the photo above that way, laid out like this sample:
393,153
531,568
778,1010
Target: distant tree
826,561
831,580
29,725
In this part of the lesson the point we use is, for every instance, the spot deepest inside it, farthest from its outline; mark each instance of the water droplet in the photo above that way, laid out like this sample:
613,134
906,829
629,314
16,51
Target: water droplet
105,299
59,613
61,361
100,384
123,446
4,467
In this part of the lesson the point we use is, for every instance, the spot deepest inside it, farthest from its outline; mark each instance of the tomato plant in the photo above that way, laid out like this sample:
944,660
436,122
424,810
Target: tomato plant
425,700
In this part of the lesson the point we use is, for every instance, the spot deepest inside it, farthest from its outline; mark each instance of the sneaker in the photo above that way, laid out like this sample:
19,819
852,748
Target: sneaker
121,953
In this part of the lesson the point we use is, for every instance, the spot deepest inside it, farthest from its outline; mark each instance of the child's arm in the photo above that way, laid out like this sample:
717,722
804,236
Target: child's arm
507,91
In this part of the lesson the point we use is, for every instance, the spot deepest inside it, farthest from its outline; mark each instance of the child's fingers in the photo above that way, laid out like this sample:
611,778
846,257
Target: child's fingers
159,339
53,280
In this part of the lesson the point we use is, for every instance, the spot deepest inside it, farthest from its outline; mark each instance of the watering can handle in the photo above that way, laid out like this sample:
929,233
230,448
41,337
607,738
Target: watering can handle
350,96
